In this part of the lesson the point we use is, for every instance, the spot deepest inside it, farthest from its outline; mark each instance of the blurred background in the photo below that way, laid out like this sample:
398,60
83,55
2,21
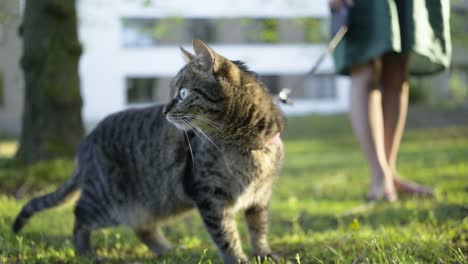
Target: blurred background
130,51
66,64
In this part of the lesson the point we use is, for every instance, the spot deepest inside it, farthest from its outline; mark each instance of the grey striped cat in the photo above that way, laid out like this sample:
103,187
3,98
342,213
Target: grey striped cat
215,147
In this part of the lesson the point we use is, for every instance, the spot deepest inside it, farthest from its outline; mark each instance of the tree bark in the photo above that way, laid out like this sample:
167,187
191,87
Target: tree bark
52,124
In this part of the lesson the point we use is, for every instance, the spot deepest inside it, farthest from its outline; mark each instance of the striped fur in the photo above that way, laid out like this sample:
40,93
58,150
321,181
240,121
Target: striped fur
206,149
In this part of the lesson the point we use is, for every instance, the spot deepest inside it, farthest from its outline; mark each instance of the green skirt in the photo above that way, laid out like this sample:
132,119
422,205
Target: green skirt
418,27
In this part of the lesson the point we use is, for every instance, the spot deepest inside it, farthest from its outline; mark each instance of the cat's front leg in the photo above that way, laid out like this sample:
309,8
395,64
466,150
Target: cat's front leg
257,222
221,225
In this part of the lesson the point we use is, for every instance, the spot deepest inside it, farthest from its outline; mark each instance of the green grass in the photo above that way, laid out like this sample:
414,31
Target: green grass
317,213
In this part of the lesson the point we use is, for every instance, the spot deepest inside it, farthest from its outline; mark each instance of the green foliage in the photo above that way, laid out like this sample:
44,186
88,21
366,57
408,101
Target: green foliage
313,30
459,28
317,212
417,92
458,88
164,29
269,31
19,180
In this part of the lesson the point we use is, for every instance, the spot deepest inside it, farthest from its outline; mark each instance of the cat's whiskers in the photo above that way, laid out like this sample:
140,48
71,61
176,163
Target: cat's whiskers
195,129
207,137
216,125
184,125
190,146
177,120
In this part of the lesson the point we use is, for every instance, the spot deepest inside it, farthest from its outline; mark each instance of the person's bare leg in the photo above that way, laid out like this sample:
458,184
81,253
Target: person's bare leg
367,122
395,94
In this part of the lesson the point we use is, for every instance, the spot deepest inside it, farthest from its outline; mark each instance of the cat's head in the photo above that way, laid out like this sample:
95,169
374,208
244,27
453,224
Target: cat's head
221,98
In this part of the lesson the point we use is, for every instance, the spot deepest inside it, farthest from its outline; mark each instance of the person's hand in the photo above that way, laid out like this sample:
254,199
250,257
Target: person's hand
336,5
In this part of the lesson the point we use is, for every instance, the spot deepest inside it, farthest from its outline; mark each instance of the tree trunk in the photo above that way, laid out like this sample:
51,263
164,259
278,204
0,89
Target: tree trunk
52,124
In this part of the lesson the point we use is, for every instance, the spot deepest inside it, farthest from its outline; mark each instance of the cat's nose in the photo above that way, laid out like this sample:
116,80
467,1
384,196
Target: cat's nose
165,110
168,107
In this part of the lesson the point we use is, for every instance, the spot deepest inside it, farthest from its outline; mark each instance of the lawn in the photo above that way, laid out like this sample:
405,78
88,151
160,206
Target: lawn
318,212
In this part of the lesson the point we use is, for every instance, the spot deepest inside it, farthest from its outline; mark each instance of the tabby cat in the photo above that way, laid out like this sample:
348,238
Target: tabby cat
215,147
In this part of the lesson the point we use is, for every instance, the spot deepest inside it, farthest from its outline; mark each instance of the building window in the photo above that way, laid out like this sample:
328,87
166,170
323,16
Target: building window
203,29
138,33
257,31
141,90
149,89
272,82
144,32
314,31
320,87
269,31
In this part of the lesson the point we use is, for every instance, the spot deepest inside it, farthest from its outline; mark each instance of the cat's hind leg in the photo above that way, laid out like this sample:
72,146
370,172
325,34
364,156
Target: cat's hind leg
81,241
91,213
154,239
82,233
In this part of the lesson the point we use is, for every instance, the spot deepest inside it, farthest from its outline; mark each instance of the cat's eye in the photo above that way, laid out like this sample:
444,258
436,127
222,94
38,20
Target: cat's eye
183,92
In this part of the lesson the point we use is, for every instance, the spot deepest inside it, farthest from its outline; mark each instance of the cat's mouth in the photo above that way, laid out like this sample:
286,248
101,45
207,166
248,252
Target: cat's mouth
180,120
200,125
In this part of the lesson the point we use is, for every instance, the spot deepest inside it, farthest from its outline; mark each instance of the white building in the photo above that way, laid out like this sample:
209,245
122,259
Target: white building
131,49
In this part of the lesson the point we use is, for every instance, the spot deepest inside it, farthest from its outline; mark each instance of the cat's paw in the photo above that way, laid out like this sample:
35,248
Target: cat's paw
271,257
235,260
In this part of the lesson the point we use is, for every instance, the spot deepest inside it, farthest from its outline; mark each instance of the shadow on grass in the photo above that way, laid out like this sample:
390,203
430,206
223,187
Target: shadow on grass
382,215
397,216
317,126
373,248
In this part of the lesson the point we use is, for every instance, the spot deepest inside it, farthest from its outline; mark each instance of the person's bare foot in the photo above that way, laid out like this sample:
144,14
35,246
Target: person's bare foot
382,188
406,186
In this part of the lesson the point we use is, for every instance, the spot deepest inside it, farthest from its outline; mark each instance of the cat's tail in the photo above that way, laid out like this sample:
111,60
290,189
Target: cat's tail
66,190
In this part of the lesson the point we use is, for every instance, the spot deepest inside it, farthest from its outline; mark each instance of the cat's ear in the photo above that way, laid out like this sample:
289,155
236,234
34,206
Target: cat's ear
208,60
187,55
205,56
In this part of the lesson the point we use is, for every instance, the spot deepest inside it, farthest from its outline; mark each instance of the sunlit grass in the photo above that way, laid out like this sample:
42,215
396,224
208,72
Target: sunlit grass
8,148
